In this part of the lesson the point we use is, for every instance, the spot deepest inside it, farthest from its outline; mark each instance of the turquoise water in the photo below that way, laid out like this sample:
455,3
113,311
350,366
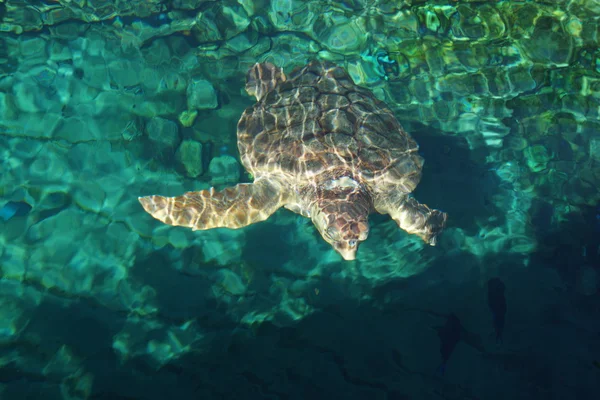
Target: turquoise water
103,102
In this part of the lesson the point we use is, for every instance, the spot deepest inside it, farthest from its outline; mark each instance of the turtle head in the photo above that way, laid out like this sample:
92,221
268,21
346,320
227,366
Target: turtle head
342,220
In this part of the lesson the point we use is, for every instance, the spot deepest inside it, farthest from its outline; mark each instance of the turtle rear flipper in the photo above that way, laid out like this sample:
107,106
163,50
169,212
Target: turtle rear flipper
233,207
262,78
414,217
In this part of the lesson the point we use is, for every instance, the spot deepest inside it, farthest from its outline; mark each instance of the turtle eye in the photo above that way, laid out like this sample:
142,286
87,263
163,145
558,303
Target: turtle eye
352,243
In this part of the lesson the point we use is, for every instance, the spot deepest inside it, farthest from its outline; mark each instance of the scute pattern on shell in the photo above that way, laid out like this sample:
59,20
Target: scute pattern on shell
319,123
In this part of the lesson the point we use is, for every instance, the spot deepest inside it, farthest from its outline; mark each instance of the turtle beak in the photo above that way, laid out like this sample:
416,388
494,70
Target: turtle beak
347,253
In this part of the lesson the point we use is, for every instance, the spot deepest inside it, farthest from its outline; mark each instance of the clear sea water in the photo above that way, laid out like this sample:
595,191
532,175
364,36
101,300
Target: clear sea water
105,101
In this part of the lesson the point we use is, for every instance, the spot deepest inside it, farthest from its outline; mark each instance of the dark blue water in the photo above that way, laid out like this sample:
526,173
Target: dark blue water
104,102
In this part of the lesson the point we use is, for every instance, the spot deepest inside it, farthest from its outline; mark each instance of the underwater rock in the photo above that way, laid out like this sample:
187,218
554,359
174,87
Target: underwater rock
537,157
89,196
171,81
120,126
242,42
536,127
149,109
463,84
221,246
399,30
59,51
94,70
232,18
189,157
14,209
68,31
74,129
292,15
392,66
549,44
201,95
157,53
493,131
224,169
340,35
467,24
25,16
8,110
187,118
132,130
150,78
206,30
33,50
472,58
187,4
228,282
291,50
522,79
364,73
95,44
163,132
29,97
125,72
476,23
17,18
432,19
263,45
58,15
399,93
93,11
45,77
595,149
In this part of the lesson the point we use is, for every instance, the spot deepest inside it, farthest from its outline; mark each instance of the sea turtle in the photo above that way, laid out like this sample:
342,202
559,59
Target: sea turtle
318,145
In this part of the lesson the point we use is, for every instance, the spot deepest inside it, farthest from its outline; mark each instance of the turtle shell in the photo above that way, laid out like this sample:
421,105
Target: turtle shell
319,123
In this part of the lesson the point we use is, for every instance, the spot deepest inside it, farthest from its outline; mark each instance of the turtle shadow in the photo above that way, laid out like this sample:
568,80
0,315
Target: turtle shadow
568,246
456,180
71,337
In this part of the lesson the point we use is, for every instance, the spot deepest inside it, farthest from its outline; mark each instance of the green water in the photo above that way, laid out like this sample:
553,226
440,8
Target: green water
105,101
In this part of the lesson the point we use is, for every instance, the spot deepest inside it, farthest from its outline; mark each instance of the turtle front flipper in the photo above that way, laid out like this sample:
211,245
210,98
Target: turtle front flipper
234,207
414,217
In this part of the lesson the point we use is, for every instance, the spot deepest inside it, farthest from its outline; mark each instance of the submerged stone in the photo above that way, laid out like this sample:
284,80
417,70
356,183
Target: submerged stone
125,72
201,95
292,15
187,4
14,209
33,47
189,157
8,110
163,132
364,73
187,118
242,42
172,82
549,44
537,157
595,149
224,169
340,35
157,53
